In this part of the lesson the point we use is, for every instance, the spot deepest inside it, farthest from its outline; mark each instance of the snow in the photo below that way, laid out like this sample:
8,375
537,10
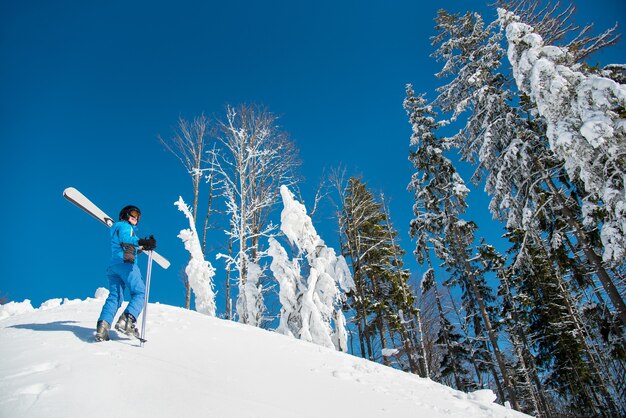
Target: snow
15,308
194,365
388,352
250,299
287,274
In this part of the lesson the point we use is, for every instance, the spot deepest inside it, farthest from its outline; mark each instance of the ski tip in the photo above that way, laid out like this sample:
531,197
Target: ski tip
68,190
160,260
163,263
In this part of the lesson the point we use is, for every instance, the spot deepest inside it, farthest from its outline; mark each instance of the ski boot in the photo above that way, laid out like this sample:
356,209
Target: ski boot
126,325
102,331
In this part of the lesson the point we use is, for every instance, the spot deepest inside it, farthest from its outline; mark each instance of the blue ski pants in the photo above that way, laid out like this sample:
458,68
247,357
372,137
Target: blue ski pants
120,277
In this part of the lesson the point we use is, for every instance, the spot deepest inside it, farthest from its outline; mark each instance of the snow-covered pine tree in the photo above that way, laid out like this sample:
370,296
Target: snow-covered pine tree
427,227
311,306
199,271
584,130
584,125
493,136
440,201
476,364
361,298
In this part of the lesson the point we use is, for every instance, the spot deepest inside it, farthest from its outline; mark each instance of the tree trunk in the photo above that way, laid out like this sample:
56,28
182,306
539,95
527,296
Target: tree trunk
196,193
409,349
229,307
187,292
359,324
242,265
419,324
456,239
381,334
487,322
208,215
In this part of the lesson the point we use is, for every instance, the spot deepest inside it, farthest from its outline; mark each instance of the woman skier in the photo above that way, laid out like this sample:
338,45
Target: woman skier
123,273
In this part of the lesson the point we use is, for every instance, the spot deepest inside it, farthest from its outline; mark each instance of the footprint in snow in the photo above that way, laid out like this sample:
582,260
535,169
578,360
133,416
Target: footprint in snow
342,374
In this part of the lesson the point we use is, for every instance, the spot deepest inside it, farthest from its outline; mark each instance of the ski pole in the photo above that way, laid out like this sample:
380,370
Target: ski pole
145,305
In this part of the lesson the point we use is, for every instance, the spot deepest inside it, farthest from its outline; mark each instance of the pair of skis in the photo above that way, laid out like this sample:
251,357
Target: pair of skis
88,206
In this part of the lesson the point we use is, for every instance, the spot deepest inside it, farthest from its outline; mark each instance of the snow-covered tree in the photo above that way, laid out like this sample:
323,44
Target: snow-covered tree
291,288
254,158
585,126
585,130
311,293
199,271
440,195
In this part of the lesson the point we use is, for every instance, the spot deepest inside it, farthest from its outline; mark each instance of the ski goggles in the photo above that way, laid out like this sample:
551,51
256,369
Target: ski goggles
135,214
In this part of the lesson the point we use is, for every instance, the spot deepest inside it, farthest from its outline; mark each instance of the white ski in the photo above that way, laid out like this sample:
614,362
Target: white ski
87,205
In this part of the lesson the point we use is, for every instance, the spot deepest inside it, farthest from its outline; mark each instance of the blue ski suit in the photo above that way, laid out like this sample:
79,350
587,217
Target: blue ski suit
123,272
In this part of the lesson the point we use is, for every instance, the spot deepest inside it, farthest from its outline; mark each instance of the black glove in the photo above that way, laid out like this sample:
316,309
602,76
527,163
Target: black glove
148,244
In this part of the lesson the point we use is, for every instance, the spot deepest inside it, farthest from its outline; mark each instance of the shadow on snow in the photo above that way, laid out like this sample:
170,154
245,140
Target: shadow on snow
82,333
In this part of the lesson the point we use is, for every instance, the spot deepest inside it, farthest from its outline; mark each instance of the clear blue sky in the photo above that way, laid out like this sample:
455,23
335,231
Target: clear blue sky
86,88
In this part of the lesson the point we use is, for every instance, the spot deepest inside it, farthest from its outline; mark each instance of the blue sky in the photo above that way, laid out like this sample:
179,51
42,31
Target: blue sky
85,90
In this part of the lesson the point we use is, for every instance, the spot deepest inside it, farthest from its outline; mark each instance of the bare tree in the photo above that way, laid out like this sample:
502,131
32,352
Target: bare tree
189,144
254,159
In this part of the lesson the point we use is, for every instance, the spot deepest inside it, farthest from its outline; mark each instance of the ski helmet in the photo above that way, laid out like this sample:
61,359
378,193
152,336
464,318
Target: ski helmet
128,211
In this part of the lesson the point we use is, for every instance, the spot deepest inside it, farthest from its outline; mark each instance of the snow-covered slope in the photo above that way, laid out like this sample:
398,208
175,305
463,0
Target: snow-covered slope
197,366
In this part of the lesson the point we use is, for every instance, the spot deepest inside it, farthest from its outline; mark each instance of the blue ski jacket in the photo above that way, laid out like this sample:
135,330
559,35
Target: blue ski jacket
124,243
